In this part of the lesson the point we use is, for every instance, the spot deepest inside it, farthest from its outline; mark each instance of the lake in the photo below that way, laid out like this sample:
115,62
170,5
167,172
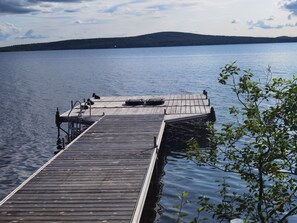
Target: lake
34,84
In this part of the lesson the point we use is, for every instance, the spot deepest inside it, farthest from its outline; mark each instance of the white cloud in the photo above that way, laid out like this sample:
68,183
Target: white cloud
144,7
264,24
7,30
31,35
87,21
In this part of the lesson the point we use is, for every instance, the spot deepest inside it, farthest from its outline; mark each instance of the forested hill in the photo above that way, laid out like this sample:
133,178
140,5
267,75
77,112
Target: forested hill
161,39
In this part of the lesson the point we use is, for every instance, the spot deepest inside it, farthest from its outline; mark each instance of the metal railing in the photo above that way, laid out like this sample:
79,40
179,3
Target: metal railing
75,127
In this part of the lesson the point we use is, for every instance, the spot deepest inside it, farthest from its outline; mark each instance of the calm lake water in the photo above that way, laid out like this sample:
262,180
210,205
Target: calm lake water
34,84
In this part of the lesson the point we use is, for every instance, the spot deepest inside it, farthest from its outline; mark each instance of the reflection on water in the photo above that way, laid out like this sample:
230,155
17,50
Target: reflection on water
174,173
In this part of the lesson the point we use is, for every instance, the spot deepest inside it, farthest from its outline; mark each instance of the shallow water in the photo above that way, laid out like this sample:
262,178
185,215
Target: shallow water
34,84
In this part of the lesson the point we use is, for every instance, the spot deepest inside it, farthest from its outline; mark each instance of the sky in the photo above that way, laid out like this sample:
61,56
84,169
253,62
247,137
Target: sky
32,21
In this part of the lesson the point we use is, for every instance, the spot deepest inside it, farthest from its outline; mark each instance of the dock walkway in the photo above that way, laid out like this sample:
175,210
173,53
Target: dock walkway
103,176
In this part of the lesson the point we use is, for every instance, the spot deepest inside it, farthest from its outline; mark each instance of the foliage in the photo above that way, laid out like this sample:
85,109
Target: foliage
182,203
259,146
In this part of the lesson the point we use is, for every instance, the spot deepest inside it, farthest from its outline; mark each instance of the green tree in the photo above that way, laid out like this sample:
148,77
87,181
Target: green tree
259,145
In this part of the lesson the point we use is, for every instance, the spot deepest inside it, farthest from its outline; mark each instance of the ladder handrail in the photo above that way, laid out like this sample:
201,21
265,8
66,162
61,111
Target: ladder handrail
73,106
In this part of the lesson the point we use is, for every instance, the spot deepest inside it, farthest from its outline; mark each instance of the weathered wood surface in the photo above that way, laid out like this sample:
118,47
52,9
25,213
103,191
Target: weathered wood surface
98,178
188,104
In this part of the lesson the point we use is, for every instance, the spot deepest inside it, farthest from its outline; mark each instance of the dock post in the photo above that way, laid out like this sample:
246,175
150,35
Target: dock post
155,142
90,110
58,121
212,115
58,124
165,112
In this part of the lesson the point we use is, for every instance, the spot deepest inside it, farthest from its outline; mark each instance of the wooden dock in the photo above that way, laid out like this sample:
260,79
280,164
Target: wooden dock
104,174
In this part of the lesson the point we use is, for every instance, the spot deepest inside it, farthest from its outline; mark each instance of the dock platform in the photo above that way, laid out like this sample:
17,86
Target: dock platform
174,107
104,174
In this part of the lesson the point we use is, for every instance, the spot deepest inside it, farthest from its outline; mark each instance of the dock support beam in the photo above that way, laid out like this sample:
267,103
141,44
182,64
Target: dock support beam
58,124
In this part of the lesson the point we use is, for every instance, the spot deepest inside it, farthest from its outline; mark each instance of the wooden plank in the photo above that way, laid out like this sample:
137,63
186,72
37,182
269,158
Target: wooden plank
184,104
202,106
197,105
188,104
170,108
179,105
174,104
192,101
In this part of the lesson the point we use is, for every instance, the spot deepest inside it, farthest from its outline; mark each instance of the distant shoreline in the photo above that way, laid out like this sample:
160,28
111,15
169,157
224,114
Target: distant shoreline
161,39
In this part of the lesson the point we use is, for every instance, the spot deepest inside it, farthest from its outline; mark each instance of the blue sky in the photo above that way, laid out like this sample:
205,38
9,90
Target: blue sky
28,21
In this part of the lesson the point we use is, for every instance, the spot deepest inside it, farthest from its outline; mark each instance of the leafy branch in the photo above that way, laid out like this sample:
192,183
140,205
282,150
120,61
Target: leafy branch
259,146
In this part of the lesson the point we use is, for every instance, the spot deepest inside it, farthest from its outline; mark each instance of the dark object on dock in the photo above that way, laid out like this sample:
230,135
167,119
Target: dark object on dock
84,106
205,93
155,101
89,102
134,102
95,96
